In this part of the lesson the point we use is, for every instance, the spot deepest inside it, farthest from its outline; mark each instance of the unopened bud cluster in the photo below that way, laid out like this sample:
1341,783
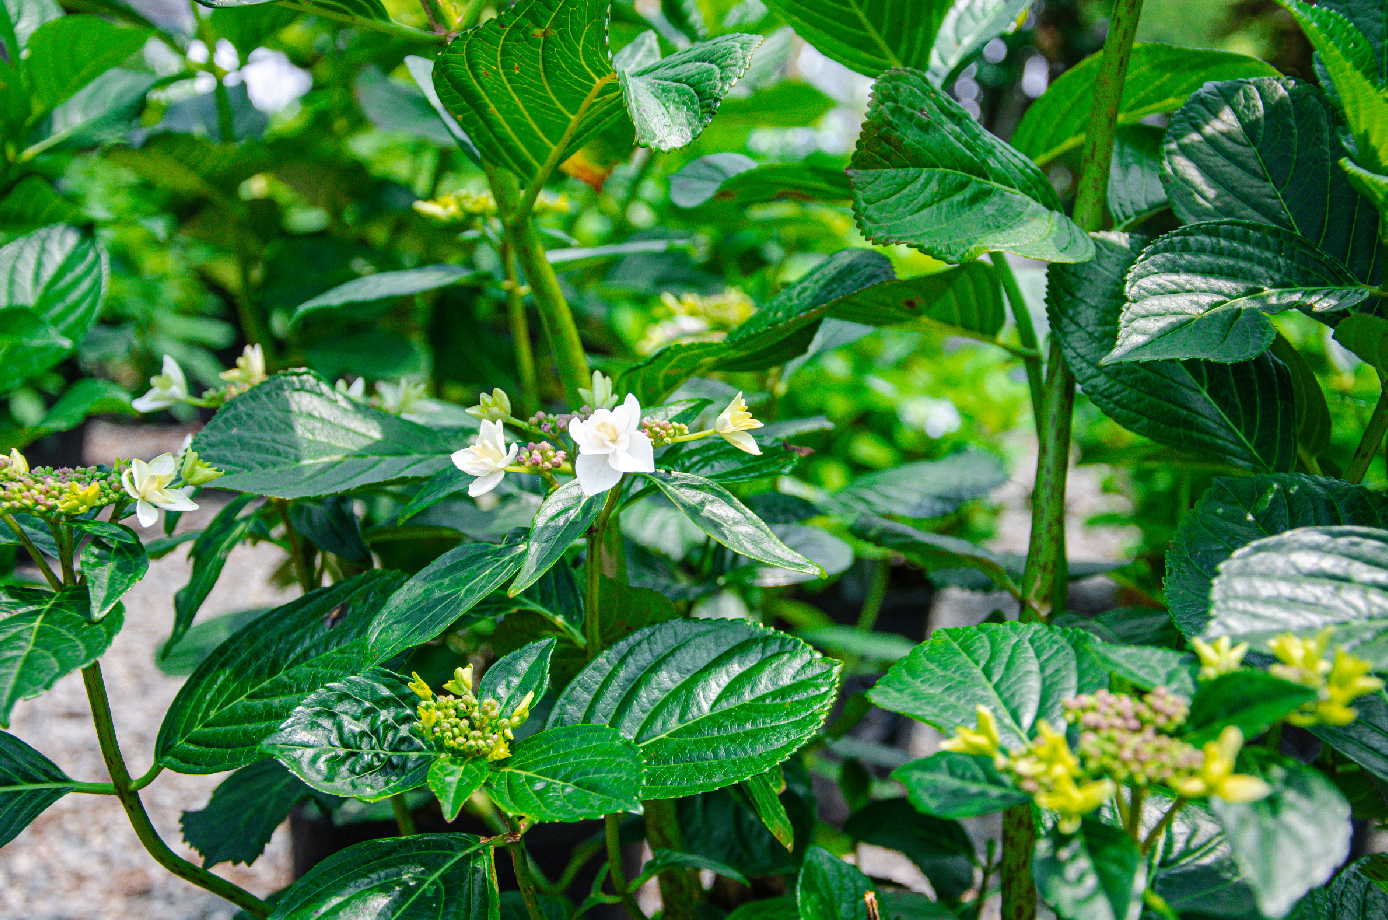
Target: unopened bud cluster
458,722
662,432
48,492
1128,738
554,425
540,456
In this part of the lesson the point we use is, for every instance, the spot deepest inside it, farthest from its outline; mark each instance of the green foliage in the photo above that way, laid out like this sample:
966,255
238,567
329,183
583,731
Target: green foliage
242,813
569,773
29,783
829,888
949,785
1095,873
43,636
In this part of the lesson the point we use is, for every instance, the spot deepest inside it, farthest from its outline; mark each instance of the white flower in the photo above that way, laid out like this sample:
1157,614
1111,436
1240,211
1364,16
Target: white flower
733,424
147,483
249,369
404,397
486,459
168,388
611,443
354,390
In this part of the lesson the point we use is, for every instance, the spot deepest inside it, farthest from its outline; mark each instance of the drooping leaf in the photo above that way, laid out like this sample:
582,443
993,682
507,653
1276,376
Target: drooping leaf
569,773
29,783
717,513
112,563
1303,581
926,174
1291,841
667,859
934,552
1366,337
940,847
869,36
58,273
1160,79
924,489
1096,873
564,516
960,300
764,792
332,526
355,737
381,286
238,696
1021,672
1241,414
965,29
830,889
294,436
672,100
950,785
708,702
1236,512
434,599
208,555
44,636
424,877
1265,150
453,780
336,9
513,677
243,813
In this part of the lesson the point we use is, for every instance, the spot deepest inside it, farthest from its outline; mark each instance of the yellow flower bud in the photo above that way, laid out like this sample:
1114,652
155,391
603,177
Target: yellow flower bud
1217,778
1219,657
983,741
420,688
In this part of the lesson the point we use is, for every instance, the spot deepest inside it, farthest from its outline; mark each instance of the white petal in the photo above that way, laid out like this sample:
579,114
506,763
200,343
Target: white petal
152,401
742,441
146,513
128,482
484,484
175,373
163,465
494,435
627,416
595,474
510,455
473,463
174,500
639,457
582,434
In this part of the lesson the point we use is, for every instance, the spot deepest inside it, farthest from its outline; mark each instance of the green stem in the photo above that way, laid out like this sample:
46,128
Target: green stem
1371,440
1155,833
526,400
434,13
404,821
135,809
226,125
1018,886
592,617
680,890
982,898
34,553
881,576
62,538
1134,823
148,778
556,154
524,879
83,788
471,14
612,828
1026,331
378,25
297,551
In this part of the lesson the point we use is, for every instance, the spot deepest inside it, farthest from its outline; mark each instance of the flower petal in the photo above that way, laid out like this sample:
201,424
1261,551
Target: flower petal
595,474
484,484
163,465
742,441
146,513
627,416
639,457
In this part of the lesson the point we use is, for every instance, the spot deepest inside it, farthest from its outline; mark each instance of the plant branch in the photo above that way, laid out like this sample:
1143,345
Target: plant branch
524,879
135,809
556,155
404,821
297,551
592,618
612,829
526,401
1371,440
1026,331
1155,833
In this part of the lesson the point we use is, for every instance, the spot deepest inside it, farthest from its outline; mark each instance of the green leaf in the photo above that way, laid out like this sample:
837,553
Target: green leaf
924,489
939,847
1240,414
1366,337
454,780
44,636
1371,21
444,484
708,702
1291,841
1365,740
933,551
380,286
1308,399
294,436
673,100
1253,701
493,78
716,459
331,525
926,174
779,331
669,859
87,397
112,564
1204,291
963,299
344,10
424,877
717,513
1021,672
238,696
1236,512
1160,79
422,70
869,36
243,813
830,889
1265,150
1147,667
569,773
1135,190
355,737
1094,874
966,28
209,556
950,785
1193,869
29,783
1356,894
434,599
524,672
68,53
736,180
764,792
60,274
564,516
397,105
1303,581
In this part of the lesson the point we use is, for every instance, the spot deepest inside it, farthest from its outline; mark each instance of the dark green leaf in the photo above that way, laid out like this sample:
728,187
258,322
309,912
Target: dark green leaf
1250,700
764,792
870,36
1236,512
1135,189
1204,291
444,484
1147,667
1365,740
569,773
950,785
294,436
29,783
112,563
395,105
44,636
209,556
241,693
965,300
331,525
335,9
673,100
381,286
1370,20
1240,414
243,813
68,53
424,877
1265,150
939,847
709,702
725,519
668,859
1194,870
738,181
1021,672
1292,840
830,889
434,599
716,459
1366,337
926,174
1356,894
1094,874
965,29
524,672
422,70
935,552
564,516
924,489
453,780
1160,78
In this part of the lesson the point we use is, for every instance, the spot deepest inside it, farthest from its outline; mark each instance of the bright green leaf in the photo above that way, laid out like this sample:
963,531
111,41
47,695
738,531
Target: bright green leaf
950,785
209,556
29,783
44,636
869,36
830,889
1250,700
513,677
68,53
764,792
673,100
1096,873
569,773
564,516
453,781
